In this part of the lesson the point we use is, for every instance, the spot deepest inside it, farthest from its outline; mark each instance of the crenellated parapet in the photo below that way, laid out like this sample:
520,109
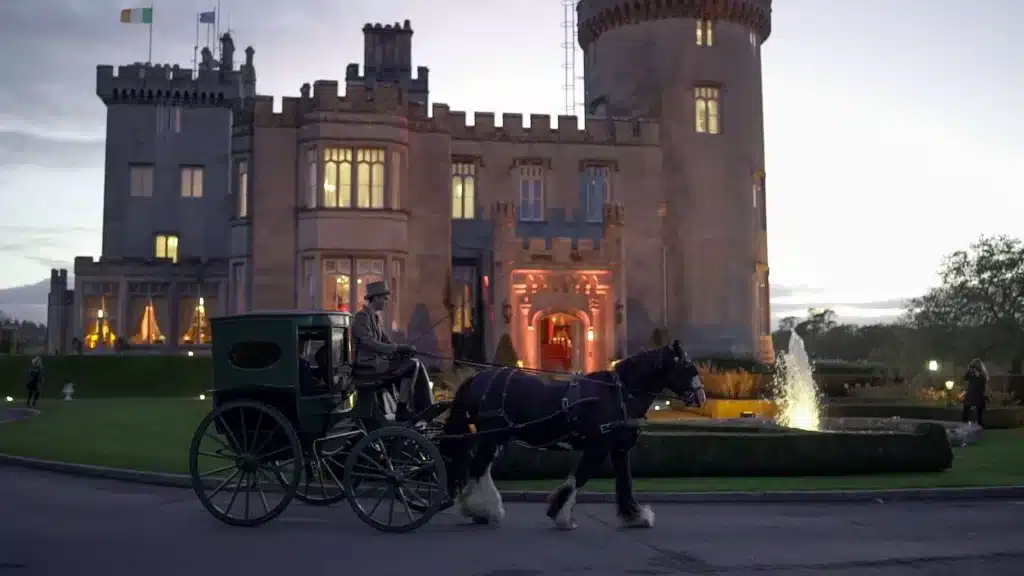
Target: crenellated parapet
188,269
566,130
596,17
323,102
558,251
213,84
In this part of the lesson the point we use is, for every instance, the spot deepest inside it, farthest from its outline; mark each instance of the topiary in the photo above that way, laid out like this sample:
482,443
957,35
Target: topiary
505,353
659,338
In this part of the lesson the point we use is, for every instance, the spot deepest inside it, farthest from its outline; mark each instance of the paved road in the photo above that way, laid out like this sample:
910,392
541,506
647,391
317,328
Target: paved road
52,525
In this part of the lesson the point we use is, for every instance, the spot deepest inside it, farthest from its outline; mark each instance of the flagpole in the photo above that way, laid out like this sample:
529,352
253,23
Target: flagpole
195,49
216,28
149,60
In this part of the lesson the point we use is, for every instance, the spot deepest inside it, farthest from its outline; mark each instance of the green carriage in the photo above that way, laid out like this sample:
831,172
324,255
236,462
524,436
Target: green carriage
292,418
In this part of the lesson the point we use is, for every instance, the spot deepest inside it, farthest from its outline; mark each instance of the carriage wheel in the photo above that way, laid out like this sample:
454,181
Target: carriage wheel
395,479
236,463
321,478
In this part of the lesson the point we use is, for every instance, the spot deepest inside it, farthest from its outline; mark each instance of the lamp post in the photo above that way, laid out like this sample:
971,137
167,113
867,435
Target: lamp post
949,393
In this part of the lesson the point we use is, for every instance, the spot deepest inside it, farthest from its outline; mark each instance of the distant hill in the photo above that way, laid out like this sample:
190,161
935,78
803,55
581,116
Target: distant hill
26,302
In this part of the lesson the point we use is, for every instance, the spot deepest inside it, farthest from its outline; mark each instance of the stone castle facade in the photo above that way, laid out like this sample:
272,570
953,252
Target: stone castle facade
576,242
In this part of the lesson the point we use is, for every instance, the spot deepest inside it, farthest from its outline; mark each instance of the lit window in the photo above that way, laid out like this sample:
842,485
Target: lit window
311,179
463,190
531,193
140,180
596,191
167,247
370,178
367,271
396,179
462,298
707,109
705,32
337,178
243,190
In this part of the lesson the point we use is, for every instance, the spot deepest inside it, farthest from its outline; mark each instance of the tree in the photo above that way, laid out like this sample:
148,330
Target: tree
788,324
505,353
980,298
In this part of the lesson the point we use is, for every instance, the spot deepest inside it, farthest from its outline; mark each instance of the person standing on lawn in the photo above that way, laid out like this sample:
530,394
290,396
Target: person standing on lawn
977,384
35,381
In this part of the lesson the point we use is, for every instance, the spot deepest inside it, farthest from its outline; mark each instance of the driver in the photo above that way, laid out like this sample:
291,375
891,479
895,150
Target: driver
373,348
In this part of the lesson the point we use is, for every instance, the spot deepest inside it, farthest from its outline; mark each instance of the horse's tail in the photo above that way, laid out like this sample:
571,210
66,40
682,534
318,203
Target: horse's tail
455,442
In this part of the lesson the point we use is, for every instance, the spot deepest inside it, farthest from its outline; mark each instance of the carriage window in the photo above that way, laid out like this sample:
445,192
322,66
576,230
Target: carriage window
254,355
314,360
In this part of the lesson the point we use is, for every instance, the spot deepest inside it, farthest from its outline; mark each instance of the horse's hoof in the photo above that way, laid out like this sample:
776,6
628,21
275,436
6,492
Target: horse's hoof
642,518
571,525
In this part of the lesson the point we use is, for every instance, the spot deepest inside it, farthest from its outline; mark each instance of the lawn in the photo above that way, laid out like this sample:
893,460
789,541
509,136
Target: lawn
154,435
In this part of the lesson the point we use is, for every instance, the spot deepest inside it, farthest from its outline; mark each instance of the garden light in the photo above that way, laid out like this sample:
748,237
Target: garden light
191,353
949,384
10,399
933,365
202,396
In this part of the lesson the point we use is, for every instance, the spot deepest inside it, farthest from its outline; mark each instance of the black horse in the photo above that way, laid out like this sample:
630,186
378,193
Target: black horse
598,414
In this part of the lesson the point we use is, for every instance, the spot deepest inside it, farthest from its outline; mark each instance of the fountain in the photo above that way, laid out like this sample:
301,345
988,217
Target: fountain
797,404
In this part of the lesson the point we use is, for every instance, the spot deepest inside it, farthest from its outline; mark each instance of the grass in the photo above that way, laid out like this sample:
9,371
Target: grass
155,434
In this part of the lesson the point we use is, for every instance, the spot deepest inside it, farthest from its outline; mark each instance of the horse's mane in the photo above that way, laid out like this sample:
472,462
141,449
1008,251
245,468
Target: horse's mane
646,360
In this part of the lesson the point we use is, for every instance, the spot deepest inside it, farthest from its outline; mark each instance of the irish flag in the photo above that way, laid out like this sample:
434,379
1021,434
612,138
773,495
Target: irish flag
137,15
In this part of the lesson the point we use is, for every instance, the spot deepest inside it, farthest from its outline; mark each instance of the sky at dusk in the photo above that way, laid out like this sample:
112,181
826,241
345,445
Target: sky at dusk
893,127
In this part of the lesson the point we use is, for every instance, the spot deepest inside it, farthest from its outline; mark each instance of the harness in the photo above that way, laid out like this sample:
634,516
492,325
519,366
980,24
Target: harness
572,397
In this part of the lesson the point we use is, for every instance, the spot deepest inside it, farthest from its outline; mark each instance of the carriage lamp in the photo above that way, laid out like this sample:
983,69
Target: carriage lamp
618,312
590,334
506,311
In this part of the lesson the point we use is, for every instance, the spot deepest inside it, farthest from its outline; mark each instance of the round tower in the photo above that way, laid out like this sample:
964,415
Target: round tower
696,66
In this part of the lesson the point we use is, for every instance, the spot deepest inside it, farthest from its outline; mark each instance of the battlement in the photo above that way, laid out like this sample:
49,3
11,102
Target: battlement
188,269
635,131
214,84
324,96
558,250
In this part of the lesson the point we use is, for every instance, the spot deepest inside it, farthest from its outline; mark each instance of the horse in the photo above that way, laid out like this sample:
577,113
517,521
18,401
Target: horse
598,414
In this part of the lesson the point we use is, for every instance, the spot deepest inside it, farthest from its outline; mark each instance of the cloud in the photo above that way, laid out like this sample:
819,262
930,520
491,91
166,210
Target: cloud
24,149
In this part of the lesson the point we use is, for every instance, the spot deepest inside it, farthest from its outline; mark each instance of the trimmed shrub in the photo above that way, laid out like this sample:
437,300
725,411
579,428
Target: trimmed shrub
695,454
112,376
659,338
732,384
505,354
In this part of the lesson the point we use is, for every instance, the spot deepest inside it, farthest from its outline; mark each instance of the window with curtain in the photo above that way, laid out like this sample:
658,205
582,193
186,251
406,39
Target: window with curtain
370,177
596,191
242,205
312,179
337,190
463,298
338,284
367,271
707,110
396,179
463,190
531,193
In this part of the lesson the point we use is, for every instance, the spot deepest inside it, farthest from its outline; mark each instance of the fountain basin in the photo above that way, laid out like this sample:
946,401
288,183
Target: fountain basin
958,433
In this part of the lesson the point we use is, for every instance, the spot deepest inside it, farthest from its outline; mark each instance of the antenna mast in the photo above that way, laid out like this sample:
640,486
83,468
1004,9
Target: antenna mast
569,48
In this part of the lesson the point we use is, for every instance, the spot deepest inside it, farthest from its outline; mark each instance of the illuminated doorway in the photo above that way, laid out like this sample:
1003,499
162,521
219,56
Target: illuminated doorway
561,342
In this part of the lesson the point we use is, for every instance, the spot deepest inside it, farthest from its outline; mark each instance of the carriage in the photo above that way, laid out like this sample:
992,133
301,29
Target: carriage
293,419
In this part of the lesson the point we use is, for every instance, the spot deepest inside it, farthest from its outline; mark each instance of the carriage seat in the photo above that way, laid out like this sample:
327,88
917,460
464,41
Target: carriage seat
368,378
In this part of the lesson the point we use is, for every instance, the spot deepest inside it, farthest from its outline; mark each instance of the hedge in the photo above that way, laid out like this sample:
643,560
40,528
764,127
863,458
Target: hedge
112,376
995,417
702,454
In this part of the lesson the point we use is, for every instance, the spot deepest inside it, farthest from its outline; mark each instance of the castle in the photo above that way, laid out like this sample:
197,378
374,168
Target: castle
577,243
